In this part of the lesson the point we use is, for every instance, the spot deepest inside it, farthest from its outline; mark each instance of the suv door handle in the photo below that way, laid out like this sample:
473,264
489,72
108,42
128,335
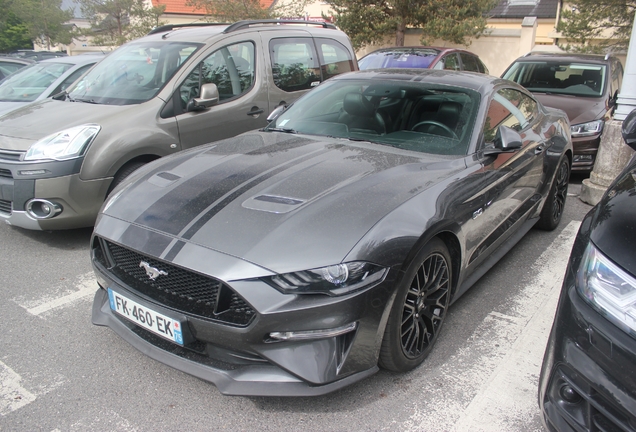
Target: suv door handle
538,150
255,111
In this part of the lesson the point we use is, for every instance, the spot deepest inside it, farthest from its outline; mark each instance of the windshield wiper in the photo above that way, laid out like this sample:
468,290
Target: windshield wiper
285,130
90,101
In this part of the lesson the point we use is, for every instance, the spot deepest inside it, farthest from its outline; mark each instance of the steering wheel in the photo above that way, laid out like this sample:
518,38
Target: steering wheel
432,125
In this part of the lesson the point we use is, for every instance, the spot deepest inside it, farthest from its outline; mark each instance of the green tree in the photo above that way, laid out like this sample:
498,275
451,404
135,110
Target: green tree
14,34
114,22
45,20
597,26
232,10
372,21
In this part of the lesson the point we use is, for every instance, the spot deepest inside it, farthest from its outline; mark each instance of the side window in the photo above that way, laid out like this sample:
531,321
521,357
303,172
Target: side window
510,108
451,62
294,63
335,58
231,68
469,62
71,79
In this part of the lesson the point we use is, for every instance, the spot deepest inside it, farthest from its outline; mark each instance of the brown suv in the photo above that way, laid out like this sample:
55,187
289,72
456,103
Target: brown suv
584,86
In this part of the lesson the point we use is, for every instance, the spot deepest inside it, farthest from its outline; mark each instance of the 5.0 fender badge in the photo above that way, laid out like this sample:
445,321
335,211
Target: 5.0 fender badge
152,272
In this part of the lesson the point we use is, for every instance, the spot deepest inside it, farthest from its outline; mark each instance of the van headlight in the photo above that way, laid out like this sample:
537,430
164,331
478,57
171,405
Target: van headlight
67,144
608,288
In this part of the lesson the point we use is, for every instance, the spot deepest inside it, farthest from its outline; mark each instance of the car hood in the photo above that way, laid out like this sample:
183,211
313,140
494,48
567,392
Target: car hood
276,200
578,109
614,223
5,107
24,126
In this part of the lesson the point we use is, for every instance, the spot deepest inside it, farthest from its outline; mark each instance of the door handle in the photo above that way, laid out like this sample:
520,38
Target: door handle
538,150
255,111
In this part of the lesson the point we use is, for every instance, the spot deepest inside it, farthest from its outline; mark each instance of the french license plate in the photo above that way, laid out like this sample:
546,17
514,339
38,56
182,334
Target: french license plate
157,323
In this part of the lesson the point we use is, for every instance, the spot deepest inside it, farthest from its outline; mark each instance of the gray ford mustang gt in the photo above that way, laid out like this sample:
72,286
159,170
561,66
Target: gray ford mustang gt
297,259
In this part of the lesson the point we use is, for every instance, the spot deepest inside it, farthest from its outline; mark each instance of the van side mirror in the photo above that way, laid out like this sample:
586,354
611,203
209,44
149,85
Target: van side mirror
629,129
506,140
209,97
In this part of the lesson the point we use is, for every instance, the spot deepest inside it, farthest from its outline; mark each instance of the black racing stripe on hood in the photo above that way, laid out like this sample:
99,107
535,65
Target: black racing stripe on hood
191,232
173,212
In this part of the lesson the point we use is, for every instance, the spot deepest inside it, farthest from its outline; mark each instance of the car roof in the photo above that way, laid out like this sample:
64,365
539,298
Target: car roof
568,57
470,80
19,60
439,50
76,60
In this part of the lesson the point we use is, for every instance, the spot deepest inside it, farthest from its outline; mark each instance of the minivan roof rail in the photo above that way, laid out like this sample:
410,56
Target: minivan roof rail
169,27
247,23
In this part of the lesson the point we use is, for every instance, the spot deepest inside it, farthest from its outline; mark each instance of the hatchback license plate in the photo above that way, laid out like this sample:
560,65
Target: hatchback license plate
157,323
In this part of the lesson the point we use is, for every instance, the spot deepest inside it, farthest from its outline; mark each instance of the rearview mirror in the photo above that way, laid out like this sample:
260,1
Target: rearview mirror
629,129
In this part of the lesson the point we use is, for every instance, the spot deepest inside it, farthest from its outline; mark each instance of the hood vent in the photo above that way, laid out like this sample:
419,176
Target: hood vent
273,203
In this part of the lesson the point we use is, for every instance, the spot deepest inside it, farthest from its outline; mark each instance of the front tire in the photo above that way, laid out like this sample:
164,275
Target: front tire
419,309
555,202
124,172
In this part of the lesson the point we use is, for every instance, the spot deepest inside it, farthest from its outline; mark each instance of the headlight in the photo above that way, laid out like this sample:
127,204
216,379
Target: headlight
66,144
587,129
334,280
608,288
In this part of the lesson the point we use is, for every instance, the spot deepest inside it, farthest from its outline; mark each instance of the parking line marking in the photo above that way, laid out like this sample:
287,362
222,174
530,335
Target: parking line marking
491,384
87,287
12,395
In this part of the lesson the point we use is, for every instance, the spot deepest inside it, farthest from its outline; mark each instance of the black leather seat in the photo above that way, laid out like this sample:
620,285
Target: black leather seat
360,115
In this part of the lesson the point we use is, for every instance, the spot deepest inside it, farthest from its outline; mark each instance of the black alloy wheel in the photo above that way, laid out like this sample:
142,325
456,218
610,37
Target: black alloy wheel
419,309
555,202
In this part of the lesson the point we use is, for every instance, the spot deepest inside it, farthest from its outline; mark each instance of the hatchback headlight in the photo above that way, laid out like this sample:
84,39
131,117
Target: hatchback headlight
67,144
334,280
608,288
587,129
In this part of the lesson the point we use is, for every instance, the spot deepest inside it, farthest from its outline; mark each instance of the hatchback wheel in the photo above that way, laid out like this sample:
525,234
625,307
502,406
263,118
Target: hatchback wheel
555,202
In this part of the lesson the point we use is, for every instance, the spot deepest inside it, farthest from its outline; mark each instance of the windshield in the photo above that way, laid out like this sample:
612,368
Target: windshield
413,116
574,79
421,59
132,74
29,83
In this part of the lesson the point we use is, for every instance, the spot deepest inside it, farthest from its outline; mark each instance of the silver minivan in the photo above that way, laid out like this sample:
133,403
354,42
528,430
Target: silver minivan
174,89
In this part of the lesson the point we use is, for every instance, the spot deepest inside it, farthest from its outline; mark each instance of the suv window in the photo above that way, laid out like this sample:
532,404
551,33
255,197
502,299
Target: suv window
231,68
576,79
294,63
511,108
335,58
450,62
470,63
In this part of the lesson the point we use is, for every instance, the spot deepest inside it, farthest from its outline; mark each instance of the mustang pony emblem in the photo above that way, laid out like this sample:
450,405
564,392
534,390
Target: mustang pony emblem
152,272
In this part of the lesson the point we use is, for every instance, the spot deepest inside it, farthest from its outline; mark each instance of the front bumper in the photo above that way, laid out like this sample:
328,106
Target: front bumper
237,353
588,380
585,151
79,200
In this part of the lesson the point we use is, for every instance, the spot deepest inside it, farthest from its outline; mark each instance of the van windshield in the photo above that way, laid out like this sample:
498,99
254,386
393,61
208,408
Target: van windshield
132,74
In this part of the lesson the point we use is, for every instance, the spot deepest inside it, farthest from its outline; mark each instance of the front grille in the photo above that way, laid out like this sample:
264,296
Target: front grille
178,288
5,206
11,155
5,173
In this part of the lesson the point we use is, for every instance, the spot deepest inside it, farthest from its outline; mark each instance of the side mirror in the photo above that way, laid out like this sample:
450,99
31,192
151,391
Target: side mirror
506,140
629,129
209,97
276,113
